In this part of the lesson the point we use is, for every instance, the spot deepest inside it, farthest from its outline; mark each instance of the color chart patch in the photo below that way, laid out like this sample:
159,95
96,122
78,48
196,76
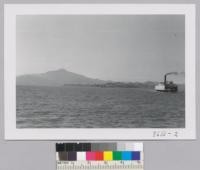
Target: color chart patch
99,156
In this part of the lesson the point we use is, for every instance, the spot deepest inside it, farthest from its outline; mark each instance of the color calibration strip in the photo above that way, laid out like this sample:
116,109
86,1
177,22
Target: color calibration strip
123,156
99,156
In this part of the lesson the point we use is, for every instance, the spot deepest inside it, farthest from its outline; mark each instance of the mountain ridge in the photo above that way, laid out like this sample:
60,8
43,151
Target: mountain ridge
62,77
56,78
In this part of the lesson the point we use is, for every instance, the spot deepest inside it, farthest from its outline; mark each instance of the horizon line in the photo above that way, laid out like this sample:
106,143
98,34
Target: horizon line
63,69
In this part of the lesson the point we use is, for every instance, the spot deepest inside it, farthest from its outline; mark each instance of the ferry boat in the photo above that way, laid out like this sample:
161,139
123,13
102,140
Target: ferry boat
167,86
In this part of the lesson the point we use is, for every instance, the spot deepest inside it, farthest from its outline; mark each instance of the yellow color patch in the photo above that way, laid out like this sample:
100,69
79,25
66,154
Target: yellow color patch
107,156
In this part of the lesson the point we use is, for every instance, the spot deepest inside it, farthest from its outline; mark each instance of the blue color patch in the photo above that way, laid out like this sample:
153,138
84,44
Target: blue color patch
126,155
136,155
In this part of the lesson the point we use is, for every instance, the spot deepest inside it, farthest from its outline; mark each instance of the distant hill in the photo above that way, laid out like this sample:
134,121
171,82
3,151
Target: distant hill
63,77
56,78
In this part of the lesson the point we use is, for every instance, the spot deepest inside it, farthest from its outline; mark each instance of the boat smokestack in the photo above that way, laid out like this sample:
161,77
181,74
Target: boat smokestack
165,77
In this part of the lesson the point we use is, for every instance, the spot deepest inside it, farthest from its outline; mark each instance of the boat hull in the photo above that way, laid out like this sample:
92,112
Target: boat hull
166,88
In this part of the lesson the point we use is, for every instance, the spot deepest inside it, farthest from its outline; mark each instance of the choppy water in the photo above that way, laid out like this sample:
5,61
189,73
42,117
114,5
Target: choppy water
96,107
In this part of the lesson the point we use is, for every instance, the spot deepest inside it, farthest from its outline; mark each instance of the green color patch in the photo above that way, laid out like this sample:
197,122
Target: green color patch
117,155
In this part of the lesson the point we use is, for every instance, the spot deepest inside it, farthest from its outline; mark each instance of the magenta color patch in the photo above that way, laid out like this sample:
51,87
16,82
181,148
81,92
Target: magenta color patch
90,156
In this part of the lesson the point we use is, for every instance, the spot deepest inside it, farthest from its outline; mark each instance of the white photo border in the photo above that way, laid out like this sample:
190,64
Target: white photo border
12,133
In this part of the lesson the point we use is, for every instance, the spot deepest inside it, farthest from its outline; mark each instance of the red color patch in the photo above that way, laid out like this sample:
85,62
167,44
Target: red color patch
99,156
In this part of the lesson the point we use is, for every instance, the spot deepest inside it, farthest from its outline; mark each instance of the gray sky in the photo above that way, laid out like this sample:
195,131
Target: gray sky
118,48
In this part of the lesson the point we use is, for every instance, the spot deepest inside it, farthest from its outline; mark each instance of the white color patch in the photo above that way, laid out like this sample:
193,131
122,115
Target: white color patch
81,156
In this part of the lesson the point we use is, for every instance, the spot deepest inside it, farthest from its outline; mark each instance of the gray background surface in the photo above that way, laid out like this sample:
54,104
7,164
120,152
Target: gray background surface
40,155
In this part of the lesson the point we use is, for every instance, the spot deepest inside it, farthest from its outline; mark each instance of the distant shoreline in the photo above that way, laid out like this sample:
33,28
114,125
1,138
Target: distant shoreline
117,84
109,85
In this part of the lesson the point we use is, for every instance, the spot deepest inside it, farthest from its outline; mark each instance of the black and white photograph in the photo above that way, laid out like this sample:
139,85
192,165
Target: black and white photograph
119,71
100,71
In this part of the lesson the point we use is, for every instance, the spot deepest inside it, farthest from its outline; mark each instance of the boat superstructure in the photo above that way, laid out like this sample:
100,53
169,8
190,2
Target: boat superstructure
167,86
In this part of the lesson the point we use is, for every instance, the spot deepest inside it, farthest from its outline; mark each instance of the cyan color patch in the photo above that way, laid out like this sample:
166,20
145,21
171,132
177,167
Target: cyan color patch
126,155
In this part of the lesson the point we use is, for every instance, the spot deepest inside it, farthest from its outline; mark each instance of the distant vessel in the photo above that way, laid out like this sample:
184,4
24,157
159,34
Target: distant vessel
167,86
